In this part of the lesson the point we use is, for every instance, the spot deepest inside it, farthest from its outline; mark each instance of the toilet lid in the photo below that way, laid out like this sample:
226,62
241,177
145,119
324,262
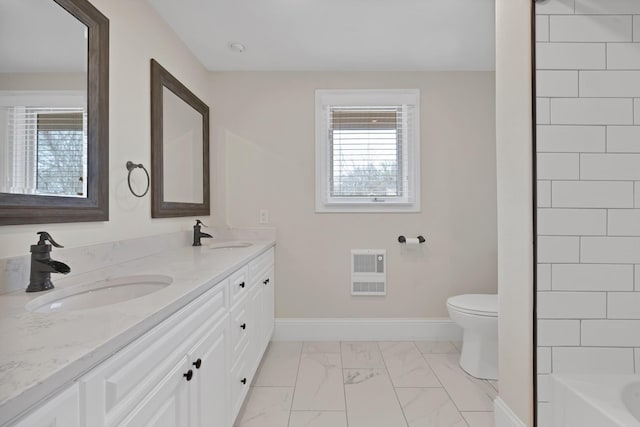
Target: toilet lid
480,304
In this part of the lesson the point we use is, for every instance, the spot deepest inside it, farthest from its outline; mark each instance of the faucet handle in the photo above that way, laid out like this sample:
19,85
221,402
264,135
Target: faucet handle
198,222
44,237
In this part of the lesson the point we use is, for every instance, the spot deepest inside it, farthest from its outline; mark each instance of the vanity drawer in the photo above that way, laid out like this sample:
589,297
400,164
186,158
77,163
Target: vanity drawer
261,263
239,284
112,389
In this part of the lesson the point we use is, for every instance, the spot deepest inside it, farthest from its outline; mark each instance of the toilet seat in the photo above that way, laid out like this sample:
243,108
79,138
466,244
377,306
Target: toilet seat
475,304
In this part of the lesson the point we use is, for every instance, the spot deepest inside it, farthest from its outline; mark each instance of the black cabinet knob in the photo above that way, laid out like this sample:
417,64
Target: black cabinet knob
266,281
241,284
243,381
243,326
197,363
188,375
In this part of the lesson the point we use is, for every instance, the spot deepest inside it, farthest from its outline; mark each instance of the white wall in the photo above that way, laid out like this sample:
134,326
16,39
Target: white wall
136,35
515,210
265,122
588,73
43,81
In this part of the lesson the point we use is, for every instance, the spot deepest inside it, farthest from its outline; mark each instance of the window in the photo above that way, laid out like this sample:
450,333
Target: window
367,151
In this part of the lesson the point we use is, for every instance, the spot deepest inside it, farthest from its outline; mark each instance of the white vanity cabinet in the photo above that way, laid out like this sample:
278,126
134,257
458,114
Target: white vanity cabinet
194,392
193,369
62,410
157,379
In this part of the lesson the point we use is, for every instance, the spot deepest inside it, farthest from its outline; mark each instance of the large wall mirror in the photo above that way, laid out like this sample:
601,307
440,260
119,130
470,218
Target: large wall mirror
54,110
179,148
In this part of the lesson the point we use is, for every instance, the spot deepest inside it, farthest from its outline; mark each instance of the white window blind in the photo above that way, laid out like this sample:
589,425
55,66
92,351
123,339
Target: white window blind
367,152
48,150
366,146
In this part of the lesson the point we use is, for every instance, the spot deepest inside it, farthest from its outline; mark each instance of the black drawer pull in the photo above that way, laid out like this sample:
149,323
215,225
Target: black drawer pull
197,363
241,284
243,381
188,375
266,281
243,326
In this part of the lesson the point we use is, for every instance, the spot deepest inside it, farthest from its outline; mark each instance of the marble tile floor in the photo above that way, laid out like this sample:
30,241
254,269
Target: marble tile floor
366,384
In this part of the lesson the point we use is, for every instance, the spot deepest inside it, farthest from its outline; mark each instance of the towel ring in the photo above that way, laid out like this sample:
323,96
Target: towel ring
130,167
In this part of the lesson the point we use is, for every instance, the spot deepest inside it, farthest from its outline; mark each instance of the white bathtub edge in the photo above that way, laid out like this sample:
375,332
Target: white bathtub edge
591,400
504,416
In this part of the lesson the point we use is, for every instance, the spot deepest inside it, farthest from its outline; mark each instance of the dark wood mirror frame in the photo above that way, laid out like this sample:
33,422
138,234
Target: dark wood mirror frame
37,209
161,78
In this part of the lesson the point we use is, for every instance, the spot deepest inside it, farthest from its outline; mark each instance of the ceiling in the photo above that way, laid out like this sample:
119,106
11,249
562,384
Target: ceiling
336,34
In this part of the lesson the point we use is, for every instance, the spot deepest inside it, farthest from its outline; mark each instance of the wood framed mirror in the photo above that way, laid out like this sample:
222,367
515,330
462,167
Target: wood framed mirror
179,148
54,98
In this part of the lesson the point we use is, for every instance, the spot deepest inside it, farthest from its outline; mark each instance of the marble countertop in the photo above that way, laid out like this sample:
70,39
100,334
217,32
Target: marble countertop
43,353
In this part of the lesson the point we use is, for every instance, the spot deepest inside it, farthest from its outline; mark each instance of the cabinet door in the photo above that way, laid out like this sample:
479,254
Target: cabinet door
210,385
62,410
254,307
167,405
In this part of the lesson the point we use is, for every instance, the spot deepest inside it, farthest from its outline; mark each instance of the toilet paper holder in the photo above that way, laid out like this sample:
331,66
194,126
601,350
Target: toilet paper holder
403,239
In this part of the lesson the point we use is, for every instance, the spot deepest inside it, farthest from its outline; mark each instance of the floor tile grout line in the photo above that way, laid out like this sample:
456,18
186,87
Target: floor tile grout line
475,381
344,386
395,393
295,383
445,388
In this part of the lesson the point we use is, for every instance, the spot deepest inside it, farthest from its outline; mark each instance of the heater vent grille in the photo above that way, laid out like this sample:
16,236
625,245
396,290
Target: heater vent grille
368,272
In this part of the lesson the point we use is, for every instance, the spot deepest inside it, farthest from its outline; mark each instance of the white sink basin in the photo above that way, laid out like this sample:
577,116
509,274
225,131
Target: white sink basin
230,245
98,294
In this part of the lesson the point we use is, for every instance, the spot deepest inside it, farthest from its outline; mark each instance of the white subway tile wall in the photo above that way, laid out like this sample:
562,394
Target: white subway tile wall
585,28
543,111
590,277
594,360
544,194
552,333
572,222
558,166
542,28
576,139
591,111
557,83
623,56
544,360
588,183
592,194
623,139
544,277
570,56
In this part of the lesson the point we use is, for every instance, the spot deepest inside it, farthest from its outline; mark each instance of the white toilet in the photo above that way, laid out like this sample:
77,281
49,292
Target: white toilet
477,314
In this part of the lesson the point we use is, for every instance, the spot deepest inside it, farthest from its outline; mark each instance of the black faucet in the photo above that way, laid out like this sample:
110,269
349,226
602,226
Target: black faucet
42,265
197,234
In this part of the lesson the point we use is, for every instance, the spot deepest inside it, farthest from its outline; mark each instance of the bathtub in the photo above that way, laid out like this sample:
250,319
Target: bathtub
596,401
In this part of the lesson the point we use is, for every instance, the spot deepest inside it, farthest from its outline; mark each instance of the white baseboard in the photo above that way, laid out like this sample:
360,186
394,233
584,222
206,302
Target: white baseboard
505,416
363,329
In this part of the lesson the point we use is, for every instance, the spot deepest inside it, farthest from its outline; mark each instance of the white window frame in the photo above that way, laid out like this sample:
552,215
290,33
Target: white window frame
367,98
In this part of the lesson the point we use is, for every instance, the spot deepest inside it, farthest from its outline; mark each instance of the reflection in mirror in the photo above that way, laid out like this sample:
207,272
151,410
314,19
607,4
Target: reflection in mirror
182,150
53,112
42,133
179,148
43,144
